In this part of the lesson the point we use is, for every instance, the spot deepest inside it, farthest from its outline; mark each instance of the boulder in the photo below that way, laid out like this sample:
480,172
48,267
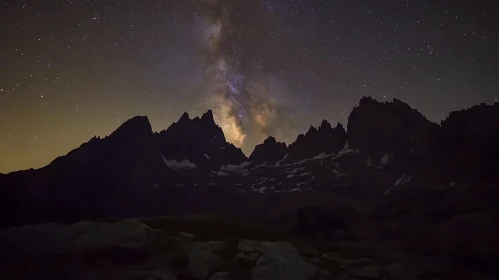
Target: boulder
282,268
223,275
119,255
279,250
202,260
247,260
127,233
280,260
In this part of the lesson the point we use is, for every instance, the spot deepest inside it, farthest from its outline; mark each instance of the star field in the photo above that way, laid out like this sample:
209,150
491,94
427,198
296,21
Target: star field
70,70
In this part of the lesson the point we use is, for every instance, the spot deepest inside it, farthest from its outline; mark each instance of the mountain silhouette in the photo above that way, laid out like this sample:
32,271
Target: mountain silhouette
200,141
270,151
392,128
191,168
324,139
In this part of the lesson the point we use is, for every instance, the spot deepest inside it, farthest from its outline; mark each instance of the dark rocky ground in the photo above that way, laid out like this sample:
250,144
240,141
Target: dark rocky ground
203,247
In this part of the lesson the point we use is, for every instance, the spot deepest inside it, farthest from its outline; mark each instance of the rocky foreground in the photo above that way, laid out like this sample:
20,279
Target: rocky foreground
199,248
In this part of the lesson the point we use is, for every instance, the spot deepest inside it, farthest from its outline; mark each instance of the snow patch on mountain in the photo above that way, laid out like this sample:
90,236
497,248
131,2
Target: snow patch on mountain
175,165
399,180
295,170
402,180
240,168
283,159
384,160
345,151
221,173
303,183
320,156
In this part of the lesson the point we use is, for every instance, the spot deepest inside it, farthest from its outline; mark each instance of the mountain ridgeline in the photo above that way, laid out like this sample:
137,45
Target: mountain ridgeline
190,167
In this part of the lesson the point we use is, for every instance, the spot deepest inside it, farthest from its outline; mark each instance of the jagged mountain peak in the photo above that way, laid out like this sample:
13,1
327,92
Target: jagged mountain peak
184,118
394,127
325,139
325,125
136,126
205,121
368,101
270,140
199,140
269,151
312,129
208,117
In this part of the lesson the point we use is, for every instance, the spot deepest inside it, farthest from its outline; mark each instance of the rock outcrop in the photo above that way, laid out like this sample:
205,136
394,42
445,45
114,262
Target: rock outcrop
279,260
202,260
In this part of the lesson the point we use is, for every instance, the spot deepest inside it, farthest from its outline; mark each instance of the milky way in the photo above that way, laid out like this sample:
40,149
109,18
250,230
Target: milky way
238,79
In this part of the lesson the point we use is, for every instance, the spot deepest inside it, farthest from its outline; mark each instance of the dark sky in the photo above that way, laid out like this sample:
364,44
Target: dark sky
70,70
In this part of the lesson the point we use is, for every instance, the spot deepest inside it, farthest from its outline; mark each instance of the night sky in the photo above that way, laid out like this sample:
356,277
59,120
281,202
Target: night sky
70,70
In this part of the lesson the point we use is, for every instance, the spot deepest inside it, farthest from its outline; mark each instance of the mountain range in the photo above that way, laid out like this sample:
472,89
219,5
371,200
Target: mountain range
390,163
